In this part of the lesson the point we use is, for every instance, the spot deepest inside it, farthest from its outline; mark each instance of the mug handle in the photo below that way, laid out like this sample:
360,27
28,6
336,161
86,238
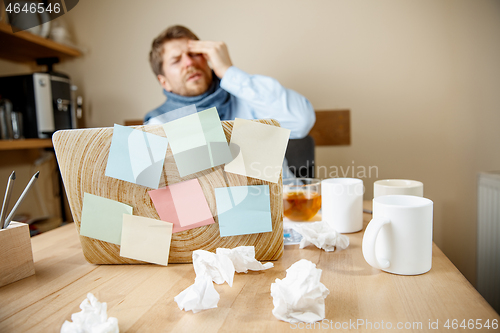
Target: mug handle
369,239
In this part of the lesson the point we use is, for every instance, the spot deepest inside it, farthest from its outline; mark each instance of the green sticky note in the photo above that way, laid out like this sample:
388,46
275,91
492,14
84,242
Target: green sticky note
102,218
212,128
185,133
198,142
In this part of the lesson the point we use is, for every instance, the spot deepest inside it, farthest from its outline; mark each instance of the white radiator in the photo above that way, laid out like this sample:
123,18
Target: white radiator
488,238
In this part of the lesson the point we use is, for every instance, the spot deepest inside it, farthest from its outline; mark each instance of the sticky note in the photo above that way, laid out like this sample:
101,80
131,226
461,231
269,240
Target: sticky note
198,142
258,150
146,239
182,204
172,115
136,156
102,218
243,210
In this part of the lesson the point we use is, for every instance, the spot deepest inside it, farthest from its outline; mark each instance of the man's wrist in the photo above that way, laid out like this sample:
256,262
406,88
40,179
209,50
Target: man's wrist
227,73
231,82
222,72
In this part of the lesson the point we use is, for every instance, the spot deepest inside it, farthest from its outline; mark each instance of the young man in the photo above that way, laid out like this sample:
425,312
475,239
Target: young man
180,62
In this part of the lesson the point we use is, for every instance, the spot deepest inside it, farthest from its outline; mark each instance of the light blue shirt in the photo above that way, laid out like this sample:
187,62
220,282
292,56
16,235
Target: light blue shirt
261,97
241,95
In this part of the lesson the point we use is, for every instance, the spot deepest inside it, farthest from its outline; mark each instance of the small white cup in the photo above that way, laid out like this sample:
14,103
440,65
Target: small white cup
398,187
399,237
342,203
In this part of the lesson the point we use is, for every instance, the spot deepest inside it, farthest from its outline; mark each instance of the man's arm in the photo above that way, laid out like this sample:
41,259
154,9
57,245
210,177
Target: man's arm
266,97
269,99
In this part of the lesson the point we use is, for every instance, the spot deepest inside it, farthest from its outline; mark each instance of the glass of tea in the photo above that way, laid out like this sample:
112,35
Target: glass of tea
301,198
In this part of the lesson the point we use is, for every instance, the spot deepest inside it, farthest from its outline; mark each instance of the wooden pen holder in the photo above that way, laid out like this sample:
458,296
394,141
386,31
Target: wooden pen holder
16,257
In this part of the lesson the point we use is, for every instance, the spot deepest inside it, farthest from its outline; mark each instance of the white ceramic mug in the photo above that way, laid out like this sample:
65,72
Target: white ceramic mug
342,203
399,237
398,187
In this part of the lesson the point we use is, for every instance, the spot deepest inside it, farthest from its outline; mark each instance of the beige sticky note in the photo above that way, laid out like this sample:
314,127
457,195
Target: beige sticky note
258,150
145,239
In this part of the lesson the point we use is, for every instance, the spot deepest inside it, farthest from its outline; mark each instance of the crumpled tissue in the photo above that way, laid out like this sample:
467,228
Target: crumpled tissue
218,267
300,296
202,295
199,296
92,319
322,235
243,258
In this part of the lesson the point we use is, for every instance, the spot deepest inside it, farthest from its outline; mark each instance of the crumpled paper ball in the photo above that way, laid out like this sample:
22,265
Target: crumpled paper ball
92,319
243,258
300,296
202,295
199,296
218,267
322,235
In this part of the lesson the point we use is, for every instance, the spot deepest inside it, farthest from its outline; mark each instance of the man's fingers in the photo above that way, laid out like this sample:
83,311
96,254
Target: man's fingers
201,43
215,52
196,46
205,46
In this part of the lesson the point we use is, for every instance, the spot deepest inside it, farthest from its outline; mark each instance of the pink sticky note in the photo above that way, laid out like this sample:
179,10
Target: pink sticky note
182,204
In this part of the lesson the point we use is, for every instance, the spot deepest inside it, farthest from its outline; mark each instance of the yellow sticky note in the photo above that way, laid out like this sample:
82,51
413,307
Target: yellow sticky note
258,150
146,239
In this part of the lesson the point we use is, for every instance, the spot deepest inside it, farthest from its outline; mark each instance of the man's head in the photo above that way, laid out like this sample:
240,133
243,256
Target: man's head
178,70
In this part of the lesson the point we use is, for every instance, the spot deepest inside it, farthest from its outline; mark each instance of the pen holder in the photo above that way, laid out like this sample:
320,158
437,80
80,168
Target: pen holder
16,259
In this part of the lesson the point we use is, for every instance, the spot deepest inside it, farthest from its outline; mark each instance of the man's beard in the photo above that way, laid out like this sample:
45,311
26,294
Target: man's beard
198,87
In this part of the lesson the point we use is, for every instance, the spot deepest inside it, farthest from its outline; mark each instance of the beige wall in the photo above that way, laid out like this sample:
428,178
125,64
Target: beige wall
421,78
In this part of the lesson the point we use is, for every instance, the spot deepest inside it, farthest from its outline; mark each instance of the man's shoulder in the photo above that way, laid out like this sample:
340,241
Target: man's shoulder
154,113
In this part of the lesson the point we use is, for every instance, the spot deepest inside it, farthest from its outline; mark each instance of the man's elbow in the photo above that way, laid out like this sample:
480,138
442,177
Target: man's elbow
311,120
305,124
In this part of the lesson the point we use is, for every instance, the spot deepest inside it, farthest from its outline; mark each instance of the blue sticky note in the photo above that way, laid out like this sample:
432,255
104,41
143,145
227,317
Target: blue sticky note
136,156
172,115
243,210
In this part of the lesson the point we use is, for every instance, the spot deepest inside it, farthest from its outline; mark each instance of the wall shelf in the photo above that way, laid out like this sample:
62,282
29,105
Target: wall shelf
24,46
25,144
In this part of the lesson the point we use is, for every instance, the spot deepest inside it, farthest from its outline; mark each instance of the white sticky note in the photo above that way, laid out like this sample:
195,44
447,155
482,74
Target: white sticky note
258,150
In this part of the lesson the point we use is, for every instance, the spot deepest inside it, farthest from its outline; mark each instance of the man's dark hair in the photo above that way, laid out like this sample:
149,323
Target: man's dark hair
156,53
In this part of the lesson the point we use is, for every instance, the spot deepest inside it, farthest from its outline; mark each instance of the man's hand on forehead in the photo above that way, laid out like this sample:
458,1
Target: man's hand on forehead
215,52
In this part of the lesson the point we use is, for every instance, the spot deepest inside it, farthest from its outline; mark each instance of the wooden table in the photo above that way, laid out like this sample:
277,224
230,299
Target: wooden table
142,296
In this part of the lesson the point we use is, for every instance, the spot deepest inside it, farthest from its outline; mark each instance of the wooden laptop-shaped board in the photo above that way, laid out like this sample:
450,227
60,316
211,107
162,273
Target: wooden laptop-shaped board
82,156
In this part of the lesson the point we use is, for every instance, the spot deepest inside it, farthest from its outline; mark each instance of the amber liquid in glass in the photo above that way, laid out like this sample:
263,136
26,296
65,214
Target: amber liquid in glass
301,206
